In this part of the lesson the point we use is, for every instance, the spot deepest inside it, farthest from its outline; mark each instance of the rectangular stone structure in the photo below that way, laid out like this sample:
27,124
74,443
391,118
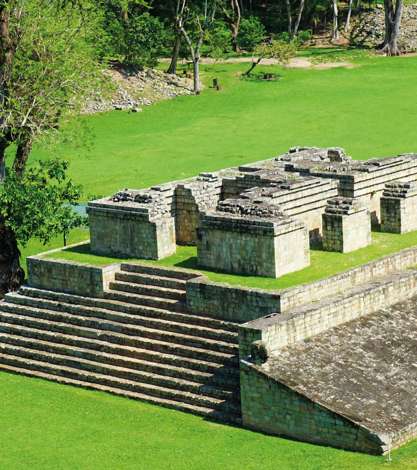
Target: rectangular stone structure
346,225
125,229
399,207
253,242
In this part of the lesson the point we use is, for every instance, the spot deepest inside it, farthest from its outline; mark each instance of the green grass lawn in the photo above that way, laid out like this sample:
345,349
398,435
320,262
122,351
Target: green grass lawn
370,110
46,426
323,263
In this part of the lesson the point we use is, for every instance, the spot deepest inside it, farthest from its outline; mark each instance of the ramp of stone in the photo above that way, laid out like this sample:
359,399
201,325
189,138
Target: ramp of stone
364,370
138,341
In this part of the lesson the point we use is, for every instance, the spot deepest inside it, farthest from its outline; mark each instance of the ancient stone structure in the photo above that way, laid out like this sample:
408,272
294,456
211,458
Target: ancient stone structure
250,219
252,238
399,208
329,362
346,225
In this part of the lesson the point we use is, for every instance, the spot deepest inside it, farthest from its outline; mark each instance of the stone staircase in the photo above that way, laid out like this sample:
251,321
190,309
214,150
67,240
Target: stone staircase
137,341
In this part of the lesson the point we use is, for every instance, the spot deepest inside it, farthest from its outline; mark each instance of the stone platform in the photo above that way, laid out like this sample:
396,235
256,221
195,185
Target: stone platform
354,382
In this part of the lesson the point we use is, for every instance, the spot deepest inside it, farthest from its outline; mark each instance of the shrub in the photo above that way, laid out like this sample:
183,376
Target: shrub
252,33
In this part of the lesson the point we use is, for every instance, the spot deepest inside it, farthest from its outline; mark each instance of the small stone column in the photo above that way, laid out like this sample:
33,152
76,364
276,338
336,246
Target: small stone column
346,225
399,207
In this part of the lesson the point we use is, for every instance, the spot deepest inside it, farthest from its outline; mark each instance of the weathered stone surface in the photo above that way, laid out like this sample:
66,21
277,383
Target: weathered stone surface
357,380
254,238
399,208
72,278
346,225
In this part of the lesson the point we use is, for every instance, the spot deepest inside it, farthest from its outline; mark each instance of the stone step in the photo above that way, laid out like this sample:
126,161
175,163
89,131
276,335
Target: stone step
149,291
124,328
141,377
210,413
159,271
217,378
149,279
145,301
124,384
167,347
130,308
138,320
220,368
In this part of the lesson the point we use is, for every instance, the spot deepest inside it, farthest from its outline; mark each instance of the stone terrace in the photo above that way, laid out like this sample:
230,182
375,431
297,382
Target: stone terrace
364,370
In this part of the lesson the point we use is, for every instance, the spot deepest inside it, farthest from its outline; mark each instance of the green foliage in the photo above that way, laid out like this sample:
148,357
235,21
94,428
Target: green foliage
38,204
218,41
144,41
252,33
130,34
282,51
53,71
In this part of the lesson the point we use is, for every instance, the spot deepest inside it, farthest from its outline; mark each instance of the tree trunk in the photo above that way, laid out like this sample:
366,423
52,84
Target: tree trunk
393,14
349,15
235,34
235,24
196,69
289,16
299,16
253,65
11,274
335,30
3,146
175,54
22,154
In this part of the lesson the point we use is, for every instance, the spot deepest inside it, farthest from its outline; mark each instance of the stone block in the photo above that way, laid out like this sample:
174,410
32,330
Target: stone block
399,208
346,225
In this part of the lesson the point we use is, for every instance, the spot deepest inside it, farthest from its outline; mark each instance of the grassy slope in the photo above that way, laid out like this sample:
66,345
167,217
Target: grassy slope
323,264
69,428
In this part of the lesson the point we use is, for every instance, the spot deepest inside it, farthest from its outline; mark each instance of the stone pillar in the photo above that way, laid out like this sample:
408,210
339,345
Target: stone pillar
346,225
399,207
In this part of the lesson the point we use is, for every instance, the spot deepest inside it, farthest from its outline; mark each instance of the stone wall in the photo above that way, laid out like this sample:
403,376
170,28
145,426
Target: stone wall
277,331
229,303
69,277
274,408
346,225
399,208
242,237
117,232
369,28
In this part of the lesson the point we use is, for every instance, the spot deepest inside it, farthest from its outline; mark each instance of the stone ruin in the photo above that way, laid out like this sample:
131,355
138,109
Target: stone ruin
261,218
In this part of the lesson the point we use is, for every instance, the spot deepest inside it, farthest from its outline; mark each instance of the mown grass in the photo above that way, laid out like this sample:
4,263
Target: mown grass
369,110
323,263
46,426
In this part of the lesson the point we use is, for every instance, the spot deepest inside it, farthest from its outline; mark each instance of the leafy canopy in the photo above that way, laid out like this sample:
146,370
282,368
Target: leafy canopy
38,204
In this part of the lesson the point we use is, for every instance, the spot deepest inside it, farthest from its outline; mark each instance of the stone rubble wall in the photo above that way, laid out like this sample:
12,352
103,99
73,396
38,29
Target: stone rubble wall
369,29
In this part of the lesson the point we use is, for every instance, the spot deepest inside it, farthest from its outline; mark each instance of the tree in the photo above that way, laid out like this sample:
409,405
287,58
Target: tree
335,28
348,17
281,51
233,14
194,22
299,16
47,69
393,13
